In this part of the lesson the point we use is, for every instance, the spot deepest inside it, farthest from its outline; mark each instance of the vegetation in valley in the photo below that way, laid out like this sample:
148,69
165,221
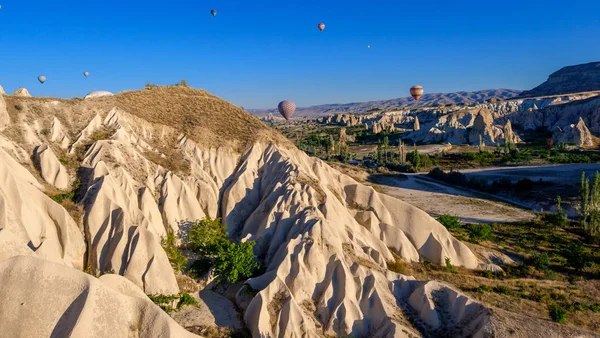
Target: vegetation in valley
207,241
556,269
170,303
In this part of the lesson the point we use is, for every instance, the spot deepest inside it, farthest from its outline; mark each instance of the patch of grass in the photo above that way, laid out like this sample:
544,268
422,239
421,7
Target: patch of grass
60,198
186,299
558,313
398,265
449,265
540,261
166,301
170,159
480,232
450,222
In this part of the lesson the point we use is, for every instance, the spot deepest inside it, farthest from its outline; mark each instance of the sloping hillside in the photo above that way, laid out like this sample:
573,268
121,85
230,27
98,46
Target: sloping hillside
141,165
571,79
426,100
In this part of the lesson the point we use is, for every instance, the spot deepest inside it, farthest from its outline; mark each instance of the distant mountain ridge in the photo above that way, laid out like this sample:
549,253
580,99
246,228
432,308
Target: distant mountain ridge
567,80
426,100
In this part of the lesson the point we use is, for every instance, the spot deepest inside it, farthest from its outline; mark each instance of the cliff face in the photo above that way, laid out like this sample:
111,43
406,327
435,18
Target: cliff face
571,79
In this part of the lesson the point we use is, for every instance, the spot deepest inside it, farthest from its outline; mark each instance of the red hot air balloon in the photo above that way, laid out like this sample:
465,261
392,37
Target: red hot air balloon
416,92
286,109
321,26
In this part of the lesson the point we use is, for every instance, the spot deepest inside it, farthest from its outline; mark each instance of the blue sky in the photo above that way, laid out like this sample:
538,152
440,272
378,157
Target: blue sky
257,53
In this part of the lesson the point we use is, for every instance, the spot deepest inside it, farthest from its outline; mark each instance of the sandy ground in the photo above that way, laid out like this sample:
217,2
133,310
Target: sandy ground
437,199
563,173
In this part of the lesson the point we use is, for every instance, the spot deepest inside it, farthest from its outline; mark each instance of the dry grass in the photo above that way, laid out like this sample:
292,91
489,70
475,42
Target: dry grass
524,290
275,306
203,117
173,160
218,332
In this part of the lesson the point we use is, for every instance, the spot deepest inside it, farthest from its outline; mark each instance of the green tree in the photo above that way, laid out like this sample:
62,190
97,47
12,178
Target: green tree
415,158
234,261
207,235
386,143
584,209
231,261
174,254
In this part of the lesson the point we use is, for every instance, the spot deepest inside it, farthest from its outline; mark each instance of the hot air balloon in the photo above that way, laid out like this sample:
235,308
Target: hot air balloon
286,109
86,74
42,79
416,92
213,12
369,47
321,26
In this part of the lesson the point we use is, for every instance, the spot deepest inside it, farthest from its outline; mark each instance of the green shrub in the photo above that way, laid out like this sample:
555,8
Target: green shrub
231,261
501,289
540,261
576,256
200,267
207,235
59,198
397,265
484,288
450,222
176,257
234,261
554,220
186,299
480,232
449,265
558,313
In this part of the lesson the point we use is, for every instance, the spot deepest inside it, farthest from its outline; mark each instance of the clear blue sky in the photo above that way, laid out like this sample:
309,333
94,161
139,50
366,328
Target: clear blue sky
257,53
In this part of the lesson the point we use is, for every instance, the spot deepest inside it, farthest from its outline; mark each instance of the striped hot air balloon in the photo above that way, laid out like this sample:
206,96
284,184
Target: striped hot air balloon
416,92
286,109
321,26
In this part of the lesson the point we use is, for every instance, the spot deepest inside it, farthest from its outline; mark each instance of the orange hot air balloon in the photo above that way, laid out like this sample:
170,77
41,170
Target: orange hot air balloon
416,92
321,26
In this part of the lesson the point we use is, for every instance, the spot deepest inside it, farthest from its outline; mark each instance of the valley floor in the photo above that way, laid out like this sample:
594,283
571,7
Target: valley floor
439,199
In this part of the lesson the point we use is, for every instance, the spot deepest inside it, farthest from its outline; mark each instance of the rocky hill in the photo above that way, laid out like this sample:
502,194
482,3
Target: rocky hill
88,188
571,79
426,100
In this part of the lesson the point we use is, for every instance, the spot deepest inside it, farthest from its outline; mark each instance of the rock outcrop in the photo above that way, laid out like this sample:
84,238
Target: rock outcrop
416,125
579,134
50,167
22,92
45,299
483,128
36,220
98,93
4,117
571,79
